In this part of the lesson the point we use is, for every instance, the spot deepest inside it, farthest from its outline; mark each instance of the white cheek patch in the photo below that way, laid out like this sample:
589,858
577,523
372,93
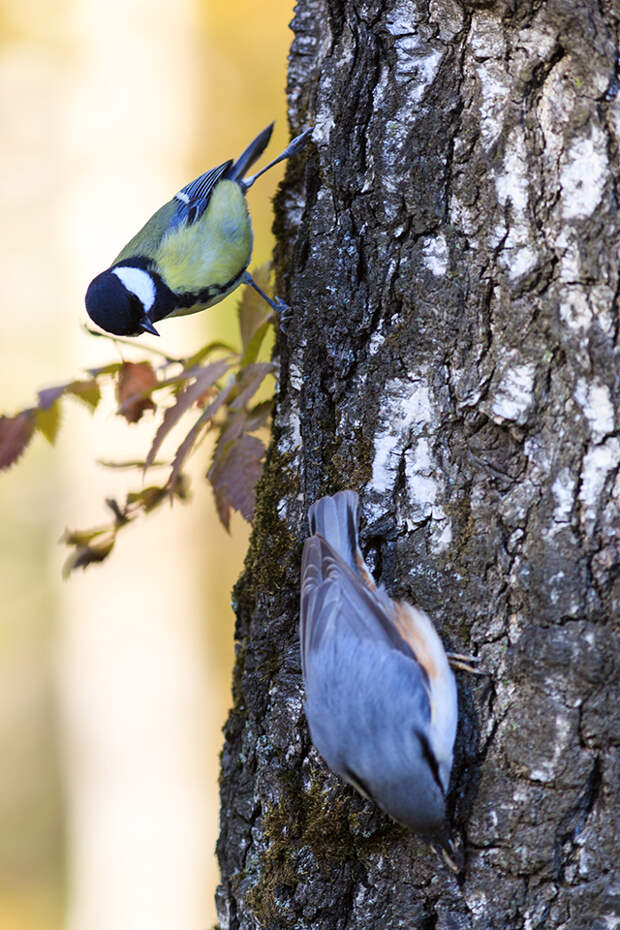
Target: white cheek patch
139,283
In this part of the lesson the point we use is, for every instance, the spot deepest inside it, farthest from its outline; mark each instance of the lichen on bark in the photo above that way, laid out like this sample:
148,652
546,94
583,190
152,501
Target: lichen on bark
450,249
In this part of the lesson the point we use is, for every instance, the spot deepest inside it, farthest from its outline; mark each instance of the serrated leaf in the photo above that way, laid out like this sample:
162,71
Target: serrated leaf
135,380
48,396
258,415
234,475
15,434
47,421
231,429
249,381
205,378
88,391
87,555
189,442
206,350
184,450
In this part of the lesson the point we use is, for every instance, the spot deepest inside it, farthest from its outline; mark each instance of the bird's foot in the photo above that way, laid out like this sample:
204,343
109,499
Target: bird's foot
465,663
283,312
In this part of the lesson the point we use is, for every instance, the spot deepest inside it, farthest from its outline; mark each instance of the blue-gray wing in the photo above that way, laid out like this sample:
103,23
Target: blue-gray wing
193,198
334,599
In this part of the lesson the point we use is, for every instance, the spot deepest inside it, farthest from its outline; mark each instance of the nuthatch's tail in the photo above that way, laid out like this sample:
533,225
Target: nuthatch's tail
336,520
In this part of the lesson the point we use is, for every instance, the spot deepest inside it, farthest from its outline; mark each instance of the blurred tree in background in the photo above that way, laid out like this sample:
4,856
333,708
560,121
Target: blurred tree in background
115,685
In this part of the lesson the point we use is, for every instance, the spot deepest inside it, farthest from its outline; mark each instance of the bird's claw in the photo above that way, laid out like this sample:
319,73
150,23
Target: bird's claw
284,313
464,662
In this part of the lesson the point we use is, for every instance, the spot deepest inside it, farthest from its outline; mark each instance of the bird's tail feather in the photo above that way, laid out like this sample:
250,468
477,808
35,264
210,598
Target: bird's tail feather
336,519
251,154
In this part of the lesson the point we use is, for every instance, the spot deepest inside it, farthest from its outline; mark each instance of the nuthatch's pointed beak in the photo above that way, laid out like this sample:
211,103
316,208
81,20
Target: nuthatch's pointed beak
147,326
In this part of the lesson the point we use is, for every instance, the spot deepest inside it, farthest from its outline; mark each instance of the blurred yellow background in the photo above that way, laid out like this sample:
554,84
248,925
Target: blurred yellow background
114,685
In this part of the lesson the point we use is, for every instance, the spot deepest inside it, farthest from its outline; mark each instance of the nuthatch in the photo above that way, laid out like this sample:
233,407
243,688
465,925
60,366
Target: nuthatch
380,693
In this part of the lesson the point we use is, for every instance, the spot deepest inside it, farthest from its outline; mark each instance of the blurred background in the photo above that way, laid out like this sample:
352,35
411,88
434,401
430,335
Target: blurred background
115,684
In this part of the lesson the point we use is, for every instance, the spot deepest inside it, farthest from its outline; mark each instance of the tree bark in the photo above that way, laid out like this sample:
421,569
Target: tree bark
450,248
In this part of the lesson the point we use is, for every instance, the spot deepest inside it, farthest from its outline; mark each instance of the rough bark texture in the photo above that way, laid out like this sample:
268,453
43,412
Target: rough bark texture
450,247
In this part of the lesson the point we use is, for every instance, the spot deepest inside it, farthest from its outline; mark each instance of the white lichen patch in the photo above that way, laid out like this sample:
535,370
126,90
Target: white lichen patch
486,36
323,125
435,254
376,341
563,490
402,439
447,18
567,246
417,64
441,531
575,311
421,484
406,409
556,100
512,187
289,421
402,18
595,401
597,464
546,769
583,175
494,88
512,396
478,904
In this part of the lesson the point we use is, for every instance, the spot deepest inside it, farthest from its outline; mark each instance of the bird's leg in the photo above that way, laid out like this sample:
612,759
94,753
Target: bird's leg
281,309
464,663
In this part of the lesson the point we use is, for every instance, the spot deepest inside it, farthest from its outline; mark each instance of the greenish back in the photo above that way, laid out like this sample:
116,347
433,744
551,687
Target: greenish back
146,242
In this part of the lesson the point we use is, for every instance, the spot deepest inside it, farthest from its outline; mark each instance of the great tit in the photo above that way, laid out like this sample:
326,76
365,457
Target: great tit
190,254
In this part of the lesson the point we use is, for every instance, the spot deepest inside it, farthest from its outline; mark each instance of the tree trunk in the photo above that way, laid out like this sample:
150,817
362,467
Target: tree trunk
450,248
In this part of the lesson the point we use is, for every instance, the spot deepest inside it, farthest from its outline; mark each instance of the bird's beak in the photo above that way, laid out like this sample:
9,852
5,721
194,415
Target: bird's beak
147,326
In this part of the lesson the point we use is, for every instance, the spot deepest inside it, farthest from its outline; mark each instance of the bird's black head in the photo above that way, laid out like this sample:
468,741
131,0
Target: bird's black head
112,307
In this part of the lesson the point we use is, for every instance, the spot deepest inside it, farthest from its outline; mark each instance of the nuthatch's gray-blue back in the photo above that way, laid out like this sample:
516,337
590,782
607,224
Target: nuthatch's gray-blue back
380,693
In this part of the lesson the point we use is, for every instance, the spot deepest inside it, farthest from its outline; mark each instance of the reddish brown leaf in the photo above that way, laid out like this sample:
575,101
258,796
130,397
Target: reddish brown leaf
250,380
205,378
15,434
184,450
234,474
135,379
49,396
